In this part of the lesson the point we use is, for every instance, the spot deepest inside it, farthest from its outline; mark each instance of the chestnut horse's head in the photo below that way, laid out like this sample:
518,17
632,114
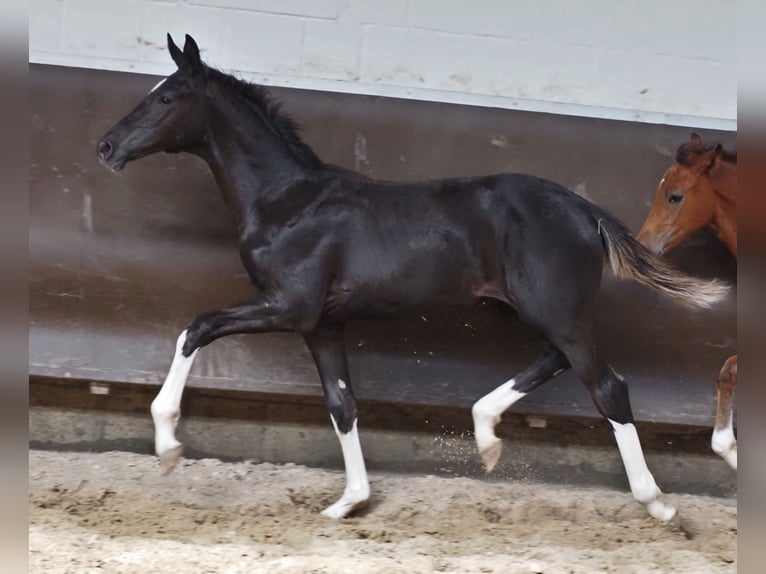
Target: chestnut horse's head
685,200
170,118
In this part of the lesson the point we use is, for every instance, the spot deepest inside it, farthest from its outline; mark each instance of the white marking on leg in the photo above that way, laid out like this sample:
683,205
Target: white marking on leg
642,483
162,81
725,444
341,383
486,414
357,491
166,407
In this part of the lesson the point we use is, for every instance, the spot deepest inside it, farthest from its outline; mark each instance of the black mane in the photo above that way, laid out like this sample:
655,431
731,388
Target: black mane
260,100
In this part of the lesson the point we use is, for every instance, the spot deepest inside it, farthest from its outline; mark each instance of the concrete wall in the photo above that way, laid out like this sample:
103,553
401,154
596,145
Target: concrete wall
642,60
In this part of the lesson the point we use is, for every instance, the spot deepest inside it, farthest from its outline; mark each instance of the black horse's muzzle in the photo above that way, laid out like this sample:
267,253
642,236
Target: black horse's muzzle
105,149
108,157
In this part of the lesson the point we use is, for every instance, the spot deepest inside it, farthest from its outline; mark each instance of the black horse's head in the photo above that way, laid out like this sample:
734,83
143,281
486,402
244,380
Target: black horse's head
170,118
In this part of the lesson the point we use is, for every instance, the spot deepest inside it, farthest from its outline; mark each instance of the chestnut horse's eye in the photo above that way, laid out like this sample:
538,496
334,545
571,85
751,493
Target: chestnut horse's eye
675,198
165,100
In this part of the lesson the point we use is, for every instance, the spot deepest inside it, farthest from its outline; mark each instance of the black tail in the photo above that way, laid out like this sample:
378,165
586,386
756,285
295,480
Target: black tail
629,259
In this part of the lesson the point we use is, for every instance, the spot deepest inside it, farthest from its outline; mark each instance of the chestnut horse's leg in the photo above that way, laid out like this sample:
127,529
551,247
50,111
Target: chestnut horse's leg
329,352
723,442
487,410
610,395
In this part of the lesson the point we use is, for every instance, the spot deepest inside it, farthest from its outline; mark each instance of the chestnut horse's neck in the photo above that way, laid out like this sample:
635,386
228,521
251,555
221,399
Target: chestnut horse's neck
724,183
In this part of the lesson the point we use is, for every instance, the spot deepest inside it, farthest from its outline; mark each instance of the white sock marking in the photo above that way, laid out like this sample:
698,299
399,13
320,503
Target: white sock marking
725,444
357,490
341,383
487,410
642,483
162,81
166,407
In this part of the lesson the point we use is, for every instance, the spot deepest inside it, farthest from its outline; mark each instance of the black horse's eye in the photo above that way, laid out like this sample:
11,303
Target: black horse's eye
165,99
675,198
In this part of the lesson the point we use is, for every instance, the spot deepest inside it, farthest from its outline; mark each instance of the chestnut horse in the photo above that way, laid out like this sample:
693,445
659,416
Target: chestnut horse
700,190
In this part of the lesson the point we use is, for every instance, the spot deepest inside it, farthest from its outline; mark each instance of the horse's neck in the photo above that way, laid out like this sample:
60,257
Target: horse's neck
724,182
249,164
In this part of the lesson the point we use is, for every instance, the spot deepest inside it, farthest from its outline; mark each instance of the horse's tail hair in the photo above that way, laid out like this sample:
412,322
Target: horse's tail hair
629,259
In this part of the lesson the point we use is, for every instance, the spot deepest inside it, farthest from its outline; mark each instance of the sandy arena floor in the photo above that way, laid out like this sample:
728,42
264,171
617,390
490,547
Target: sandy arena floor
115,512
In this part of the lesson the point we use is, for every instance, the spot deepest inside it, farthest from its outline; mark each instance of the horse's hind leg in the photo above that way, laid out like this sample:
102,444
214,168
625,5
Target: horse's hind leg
610,394
329,352
487,410
723,442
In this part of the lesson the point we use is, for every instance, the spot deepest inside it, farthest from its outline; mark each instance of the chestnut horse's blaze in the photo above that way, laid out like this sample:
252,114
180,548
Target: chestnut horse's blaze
324,246
700,190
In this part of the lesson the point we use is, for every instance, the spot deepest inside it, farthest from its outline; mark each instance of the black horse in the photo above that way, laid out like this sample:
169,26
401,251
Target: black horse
323,245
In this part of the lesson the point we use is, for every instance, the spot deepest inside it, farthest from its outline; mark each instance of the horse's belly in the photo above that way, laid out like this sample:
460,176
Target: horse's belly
403,294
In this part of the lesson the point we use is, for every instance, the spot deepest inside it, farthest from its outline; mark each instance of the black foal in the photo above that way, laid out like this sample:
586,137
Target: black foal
323,245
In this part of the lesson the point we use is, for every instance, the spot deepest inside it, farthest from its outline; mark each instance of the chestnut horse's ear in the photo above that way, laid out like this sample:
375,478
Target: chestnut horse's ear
191,51
176,53
695,139
714,155
707,161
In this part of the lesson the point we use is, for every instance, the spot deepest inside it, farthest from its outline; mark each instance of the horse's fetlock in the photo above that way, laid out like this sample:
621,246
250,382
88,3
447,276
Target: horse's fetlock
645,491
722,440
164,412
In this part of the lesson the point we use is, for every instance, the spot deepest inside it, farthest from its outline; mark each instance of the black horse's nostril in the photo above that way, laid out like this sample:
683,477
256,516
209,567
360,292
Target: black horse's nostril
105,149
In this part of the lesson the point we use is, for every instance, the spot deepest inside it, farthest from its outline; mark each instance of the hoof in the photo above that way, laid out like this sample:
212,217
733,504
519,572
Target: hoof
169,459
343,508
491,454
661,511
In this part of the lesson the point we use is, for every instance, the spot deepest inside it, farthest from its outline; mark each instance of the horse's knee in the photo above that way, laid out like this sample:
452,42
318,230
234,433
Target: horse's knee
197,333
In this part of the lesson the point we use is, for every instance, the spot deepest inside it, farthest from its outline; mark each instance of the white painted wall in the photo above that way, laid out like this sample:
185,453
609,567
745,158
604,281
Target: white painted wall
661,61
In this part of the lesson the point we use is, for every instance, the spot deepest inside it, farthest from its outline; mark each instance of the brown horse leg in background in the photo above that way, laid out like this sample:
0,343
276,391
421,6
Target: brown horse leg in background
724,443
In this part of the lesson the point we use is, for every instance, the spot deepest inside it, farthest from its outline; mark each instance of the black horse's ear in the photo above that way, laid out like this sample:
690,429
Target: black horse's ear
191,51
176,53
695,138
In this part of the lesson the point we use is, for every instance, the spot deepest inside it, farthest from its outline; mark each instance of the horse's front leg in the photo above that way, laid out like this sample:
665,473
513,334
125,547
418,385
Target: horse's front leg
166,407
261,314
329,352
724,442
